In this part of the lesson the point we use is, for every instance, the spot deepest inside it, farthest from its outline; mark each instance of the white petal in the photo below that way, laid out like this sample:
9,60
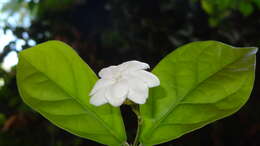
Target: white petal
134,65
108,72
150,79
116,93
138,91
99,98
101,83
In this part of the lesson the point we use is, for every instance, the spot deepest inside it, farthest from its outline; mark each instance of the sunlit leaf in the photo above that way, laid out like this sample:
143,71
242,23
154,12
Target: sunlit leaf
200,83
55,81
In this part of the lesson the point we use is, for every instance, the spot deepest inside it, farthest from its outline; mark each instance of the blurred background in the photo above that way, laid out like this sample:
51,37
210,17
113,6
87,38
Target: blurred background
106,32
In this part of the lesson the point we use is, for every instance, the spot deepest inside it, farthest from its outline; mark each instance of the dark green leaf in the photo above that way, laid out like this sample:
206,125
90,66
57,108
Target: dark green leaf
246,8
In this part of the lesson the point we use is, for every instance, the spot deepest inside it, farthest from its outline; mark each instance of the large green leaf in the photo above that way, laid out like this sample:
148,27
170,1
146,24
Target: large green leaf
55,81
200,83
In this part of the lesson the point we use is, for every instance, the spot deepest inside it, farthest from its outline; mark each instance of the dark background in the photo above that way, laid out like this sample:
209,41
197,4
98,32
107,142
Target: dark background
106,32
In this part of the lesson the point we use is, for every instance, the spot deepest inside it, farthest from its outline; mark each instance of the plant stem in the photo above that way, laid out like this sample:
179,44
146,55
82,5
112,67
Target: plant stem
135,109
137,133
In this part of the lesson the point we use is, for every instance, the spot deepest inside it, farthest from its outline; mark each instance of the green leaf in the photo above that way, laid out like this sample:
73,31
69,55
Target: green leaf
207,6
55,81
200,83
246,8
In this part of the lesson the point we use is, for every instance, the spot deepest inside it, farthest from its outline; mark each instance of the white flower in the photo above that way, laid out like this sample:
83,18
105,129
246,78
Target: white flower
127,80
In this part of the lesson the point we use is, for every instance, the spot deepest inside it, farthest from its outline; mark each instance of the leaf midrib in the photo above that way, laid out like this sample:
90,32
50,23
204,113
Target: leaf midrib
101,121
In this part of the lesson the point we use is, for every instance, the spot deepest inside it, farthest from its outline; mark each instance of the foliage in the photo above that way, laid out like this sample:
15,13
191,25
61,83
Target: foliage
220,9
191,94
60,93
109,32
197,88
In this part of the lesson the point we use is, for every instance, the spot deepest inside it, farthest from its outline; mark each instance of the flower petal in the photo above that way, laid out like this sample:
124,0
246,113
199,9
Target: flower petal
116,93
138,91
99,98
150,79
101,83
108,72
134,65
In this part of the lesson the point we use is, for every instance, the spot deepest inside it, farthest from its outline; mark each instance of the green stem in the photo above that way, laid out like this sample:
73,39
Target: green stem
135,109
137,134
